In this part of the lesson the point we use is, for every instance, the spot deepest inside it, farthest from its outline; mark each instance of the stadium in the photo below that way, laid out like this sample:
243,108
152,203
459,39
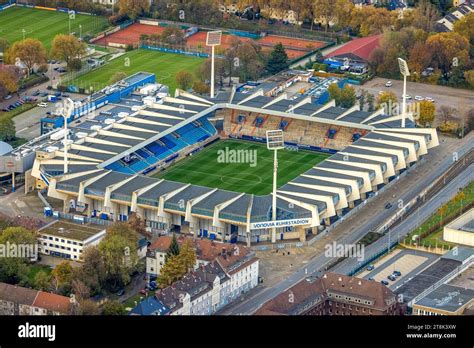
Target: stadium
158,159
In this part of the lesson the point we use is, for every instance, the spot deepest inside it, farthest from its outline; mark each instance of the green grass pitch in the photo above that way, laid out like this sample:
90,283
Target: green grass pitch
164,65
204,169
44,25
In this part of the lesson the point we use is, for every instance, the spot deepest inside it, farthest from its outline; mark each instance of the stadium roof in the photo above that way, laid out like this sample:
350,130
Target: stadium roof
5,148
123,131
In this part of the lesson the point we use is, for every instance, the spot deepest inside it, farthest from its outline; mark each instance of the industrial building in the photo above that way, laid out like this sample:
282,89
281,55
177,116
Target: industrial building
461,230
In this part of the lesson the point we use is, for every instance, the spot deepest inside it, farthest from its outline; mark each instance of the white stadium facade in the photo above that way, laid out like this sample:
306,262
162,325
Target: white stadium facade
111,155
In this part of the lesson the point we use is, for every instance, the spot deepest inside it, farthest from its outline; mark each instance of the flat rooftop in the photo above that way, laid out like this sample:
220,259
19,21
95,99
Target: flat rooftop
448,298
71,230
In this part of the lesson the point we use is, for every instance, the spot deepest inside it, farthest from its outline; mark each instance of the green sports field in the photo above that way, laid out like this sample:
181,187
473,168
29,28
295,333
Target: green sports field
44,25
206,169
164,65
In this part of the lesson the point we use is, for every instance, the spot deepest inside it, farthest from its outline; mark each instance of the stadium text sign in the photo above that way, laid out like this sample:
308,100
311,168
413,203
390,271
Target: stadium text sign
279,223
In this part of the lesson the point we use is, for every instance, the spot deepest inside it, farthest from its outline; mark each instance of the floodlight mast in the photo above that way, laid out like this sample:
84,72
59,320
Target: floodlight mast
213,39
213,70
68,109
275,142
405,72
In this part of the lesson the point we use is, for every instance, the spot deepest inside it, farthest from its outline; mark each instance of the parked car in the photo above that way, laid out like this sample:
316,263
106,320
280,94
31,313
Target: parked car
370,267
408,97
392,277
419,98
384,282
430,99
37,93
43,105
8,97
389,84
388,205
397,273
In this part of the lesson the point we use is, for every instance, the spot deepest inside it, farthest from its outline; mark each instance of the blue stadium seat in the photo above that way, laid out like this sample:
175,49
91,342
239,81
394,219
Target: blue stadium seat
165,147
356,136
258,122
332,133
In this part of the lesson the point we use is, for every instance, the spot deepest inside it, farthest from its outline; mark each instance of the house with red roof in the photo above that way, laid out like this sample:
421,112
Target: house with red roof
355,55
17,300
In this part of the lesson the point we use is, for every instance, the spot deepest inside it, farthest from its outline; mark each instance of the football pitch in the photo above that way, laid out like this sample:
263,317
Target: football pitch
164,65
216,167
44,25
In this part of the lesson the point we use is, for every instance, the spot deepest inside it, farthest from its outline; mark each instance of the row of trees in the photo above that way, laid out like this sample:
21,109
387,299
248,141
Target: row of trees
346,97
339,14
245,60
32,54
450,54
89,6
178,262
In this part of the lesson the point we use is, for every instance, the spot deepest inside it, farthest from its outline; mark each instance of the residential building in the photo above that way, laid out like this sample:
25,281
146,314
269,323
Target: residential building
446,23
206,251
106,2
68,240
150,306
334,294
17,300
211,286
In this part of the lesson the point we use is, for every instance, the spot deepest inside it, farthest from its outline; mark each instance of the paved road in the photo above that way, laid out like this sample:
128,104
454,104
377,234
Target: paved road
259,297
413,221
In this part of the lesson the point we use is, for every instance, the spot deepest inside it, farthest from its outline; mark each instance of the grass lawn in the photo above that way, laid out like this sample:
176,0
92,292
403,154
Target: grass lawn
45,25
203,168
34,269
164,65
17,111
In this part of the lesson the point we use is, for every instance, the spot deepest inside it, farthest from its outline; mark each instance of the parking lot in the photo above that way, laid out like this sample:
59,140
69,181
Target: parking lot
406,261
27,124
460,99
